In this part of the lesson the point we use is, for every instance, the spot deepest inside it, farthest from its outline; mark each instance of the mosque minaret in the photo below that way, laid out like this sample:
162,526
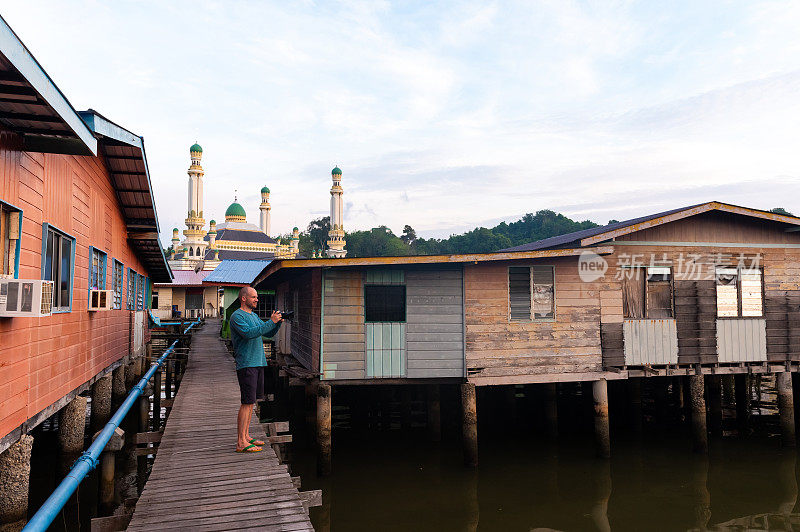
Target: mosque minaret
195,223
265,210
336,240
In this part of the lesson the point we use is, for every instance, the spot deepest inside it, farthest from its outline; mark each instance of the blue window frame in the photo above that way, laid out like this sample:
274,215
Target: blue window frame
10,232
131,299
58,265
116,283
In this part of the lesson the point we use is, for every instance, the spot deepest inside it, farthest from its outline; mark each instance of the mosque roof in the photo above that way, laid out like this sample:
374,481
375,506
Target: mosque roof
196,147
265,189
336,171
226,233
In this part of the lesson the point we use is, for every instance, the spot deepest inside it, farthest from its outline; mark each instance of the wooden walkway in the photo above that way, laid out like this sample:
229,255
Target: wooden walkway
198,482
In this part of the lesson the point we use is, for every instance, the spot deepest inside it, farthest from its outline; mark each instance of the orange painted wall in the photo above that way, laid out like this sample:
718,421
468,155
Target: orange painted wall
43,359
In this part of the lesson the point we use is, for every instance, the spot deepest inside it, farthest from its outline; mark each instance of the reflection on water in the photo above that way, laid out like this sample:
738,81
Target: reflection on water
388,481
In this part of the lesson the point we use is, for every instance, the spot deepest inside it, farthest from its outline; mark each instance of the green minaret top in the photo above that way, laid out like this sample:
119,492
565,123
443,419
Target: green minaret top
195,147
265,189
336,171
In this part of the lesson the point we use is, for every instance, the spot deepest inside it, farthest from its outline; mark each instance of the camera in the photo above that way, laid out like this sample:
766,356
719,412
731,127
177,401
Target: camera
288,315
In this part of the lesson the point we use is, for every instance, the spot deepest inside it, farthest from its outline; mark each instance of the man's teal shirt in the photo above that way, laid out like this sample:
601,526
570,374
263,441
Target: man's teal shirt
246,332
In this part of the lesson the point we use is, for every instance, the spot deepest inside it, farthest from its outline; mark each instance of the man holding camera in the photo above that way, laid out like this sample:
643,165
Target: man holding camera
246,332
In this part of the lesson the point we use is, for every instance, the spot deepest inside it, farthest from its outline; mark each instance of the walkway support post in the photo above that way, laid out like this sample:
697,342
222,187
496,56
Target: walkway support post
698,405
714,392
601,422
783,383
107,460
324,429
469,406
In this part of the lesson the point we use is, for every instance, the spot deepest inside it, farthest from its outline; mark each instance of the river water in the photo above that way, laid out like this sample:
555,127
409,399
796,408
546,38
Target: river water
398,480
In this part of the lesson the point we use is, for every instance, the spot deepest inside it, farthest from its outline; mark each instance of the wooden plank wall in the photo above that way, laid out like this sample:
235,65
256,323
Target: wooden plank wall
343,332
696,318
435,329
43,359
496,347
305,333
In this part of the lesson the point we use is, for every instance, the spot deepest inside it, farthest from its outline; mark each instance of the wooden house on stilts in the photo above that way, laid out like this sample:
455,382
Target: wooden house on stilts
697,293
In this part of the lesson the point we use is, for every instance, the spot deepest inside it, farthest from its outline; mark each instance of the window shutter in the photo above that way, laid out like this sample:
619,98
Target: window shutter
519,293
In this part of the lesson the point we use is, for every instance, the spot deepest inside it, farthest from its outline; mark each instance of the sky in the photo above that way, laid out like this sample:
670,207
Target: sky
442,115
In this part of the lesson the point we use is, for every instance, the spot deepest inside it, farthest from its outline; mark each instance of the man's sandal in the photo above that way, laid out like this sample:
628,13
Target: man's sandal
257,442
249,449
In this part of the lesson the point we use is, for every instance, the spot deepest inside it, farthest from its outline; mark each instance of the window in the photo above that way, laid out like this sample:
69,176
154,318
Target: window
116,283
647,292
739,292
266,304
58,265
10,227
154,300
531,293
97,271
130,300
384,303
139,292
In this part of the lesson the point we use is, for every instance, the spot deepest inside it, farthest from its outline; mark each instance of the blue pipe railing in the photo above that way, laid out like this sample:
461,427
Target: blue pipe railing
88,460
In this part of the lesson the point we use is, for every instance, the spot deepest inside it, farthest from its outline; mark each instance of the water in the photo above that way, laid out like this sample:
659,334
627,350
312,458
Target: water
396,480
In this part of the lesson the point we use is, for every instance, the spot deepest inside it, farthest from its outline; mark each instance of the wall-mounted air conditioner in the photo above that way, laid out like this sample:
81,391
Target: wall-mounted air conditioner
100,300
25,297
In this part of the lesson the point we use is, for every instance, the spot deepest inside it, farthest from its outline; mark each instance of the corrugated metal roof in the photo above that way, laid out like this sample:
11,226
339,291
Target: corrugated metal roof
237,271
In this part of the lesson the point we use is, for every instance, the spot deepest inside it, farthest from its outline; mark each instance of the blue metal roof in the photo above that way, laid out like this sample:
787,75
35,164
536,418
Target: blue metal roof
239,272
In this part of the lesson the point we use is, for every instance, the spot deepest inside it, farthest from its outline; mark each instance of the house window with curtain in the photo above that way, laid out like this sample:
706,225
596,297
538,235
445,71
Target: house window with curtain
116,283
531,293
130,301
58,265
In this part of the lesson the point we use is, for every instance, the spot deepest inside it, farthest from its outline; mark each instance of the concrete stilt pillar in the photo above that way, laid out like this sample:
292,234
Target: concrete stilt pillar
700,493
143,425
678,397
131,372
742,402
783,384
15,478
469,406
101,402
635,404
434,413
550,396
714,392
71,425
324,420
118,390
698,405
602,431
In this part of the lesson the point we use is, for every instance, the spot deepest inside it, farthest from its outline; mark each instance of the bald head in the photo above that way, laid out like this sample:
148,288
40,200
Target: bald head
248,298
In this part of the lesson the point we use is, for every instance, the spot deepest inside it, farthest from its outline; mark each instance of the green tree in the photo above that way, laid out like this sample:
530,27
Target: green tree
409,235
377,242
781,210
315,236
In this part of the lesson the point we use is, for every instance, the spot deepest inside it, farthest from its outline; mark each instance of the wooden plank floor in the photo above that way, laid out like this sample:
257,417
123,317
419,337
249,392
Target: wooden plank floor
198,482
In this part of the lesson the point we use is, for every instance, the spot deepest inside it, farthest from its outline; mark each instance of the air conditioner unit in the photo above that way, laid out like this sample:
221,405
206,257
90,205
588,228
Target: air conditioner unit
100,300
26,297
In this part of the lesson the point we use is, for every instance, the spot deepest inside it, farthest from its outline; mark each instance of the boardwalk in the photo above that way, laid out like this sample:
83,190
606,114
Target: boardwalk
198,482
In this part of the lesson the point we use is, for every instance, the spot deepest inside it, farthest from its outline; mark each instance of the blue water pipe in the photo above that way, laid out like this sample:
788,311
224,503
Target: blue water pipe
88,460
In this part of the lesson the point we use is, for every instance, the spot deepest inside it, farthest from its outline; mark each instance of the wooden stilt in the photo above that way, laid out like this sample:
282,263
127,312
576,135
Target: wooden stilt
550,393
601,421
698,404
714,393
434,413
324,429
470,424
742,391
783,383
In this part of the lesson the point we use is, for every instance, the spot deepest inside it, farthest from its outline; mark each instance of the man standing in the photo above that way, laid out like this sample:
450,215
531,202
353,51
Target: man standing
246,332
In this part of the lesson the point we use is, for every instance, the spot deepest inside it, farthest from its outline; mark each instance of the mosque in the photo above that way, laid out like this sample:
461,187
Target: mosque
201,250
